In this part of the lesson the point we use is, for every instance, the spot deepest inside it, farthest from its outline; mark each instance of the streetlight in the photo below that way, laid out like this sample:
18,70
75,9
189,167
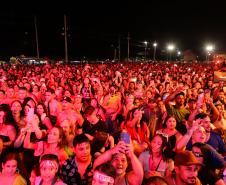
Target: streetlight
178,54
209,49
170,48
145,49
154,45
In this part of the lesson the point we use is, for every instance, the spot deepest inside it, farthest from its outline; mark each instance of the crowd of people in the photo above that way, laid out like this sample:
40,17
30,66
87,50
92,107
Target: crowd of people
67,124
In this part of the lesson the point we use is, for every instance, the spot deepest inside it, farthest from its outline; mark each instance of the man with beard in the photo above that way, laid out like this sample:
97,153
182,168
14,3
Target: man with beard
178,110
186,170
77,169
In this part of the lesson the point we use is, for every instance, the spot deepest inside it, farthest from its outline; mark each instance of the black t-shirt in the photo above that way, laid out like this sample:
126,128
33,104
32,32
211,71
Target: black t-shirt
89,128
208,176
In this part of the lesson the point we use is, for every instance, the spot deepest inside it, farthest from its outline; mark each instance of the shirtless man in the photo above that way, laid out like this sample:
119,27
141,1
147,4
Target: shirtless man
112,104
68,113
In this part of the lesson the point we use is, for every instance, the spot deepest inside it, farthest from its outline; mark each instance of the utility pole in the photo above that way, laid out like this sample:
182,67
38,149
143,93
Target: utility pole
65,39
128,38
119,48
36,37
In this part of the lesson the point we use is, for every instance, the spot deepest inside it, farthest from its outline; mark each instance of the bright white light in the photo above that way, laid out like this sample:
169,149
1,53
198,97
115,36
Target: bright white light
170,47
145,42
209,48
178,53
155,44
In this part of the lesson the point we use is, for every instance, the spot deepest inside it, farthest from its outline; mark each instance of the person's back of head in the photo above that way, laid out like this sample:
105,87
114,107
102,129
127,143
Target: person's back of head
51,90
104,174
201,115
156,180
107,169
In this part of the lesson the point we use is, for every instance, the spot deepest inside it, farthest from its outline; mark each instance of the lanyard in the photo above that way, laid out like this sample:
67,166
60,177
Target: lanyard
151,158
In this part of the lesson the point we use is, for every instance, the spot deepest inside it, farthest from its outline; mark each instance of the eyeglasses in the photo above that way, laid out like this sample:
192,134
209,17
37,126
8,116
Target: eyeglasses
197,154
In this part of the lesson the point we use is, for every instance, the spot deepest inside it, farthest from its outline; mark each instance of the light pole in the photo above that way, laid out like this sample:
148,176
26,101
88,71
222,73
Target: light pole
178,54
170,48
209,49
154,45
65,39
145,49
36,36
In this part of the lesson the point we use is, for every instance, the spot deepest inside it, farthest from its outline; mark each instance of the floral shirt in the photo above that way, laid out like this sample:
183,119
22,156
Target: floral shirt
70,175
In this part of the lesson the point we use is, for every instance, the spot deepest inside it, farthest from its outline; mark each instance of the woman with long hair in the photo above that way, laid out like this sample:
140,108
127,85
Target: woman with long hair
70,132
98,109
7,127
137,129
169,129
42,113
154,160
212,162
128,105
16,108
30,122
54,145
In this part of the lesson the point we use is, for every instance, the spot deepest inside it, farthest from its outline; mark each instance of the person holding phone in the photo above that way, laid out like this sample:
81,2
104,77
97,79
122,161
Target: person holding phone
119,156
138,130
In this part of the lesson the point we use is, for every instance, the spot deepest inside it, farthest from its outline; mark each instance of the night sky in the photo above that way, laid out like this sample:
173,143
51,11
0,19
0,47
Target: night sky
95,26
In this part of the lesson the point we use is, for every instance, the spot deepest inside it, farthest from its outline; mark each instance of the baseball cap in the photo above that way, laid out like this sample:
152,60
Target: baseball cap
178,94
192,100
66,98
186,158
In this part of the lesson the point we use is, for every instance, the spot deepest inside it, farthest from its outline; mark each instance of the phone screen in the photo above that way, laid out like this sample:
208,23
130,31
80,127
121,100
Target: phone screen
30,114
124,136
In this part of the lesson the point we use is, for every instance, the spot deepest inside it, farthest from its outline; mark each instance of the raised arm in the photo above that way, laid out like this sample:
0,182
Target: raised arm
181,144
27,141
107,156
20,139
171,96
135,176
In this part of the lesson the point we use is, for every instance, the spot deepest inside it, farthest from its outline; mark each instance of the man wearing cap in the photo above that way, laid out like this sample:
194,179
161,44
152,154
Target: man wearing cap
178,110
186,170
68,112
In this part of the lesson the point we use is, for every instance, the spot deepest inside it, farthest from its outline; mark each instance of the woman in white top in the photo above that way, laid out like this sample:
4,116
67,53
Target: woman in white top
154,161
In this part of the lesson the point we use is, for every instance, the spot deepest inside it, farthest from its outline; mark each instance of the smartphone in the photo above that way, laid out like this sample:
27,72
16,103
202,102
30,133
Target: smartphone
200,100
124,136
133,79
30,114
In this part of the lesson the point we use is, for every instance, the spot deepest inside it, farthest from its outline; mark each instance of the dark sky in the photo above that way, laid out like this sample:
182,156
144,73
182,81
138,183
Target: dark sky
94,27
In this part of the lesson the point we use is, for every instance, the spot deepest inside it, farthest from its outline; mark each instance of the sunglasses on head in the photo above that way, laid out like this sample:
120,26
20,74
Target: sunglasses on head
162,134
197,154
